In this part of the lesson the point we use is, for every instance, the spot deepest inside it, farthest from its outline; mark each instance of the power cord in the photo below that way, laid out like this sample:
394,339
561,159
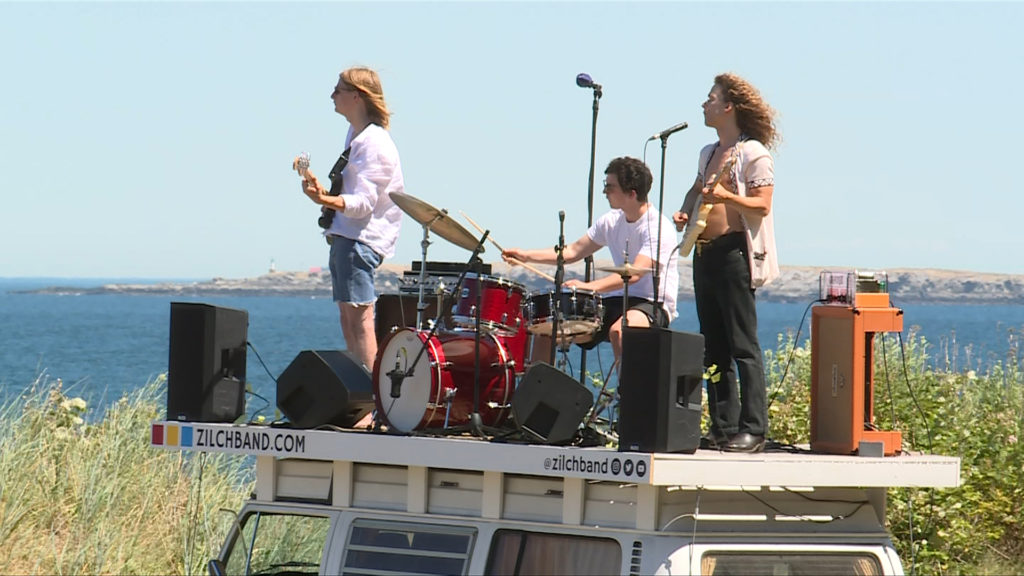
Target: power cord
792,352
266,403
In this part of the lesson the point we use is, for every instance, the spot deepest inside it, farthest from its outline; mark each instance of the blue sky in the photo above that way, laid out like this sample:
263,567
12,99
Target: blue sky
155,139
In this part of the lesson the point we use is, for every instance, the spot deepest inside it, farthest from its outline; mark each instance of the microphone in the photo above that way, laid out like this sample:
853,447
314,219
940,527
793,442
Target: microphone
561,215
665,133
396,375
585,81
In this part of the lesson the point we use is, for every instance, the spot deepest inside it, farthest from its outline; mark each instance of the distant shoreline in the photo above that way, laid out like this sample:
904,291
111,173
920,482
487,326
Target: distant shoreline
797,284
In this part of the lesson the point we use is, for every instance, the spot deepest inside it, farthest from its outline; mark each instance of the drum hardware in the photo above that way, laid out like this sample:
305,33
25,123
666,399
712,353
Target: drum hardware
437,220
440,399
448,396
430,218
446,227
439,362
627,271
605,398
494,303
559,277
582,313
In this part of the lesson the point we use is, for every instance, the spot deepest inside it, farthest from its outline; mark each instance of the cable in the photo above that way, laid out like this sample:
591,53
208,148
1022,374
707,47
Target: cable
913,397
266,403
792,352
888,386
928,433
860,504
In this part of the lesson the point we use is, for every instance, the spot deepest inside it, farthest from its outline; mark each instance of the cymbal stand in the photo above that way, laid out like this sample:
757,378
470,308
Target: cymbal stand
556,311
421,303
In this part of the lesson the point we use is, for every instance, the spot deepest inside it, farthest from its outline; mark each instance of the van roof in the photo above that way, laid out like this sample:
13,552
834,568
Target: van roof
703,468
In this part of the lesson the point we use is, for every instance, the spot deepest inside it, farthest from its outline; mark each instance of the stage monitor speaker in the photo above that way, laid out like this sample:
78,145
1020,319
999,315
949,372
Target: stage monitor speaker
325,387
549,405
660,386
206,363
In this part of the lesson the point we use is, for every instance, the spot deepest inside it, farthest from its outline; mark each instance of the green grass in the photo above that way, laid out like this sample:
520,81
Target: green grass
81,498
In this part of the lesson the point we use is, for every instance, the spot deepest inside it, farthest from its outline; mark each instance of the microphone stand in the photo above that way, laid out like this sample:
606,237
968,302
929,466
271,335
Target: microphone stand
588,267
661,216
559,276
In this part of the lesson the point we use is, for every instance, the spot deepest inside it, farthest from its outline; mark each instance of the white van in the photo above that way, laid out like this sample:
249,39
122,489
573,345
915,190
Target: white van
356,502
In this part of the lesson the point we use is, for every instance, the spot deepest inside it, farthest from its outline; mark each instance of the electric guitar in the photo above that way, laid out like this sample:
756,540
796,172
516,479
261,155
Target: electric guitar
699,219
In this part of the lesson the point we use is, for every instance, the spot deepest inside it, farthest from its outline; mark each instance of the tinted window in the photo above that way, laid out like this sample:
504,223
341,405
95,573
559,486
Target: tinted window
385,547
782,564
535,553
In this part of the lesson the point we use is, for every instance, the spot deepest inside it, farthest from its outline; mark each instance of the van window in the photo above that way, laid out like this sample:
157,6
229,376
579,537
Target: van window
516,552
390,547
278,543
784,564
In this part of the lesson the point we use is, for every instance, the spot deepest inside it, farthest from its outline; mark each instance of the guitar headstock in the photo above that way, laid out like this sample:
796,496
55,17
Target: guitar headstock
302,164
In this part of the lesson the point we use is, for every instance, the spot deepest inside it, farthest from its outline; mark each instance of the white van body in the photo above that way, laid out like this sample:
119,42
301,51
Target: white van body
356,502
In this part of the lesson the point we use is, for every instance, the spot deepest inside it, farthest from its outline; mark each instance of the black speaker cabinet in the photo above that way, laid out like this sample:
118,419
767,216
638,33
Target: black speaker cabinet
660,390
206,363
549,405
324,387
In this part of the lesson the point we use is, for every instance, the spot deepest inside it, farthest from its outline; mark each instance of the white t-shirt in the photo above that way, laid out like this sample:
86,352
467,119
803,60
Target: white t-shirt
641,237
373,171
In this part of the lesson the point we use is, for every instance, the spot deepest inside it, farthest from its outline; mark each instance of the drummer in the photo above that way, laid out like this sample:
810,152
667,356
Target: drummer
632,224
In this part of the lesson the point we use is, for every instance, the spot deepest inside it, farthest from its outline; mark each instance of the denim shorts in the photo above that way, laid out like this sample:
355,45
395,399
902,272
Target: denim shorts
352,271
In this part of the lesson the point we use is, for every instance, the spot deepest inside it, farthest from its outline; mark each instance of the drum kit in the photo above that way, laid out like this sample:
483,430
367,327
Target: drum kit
462,376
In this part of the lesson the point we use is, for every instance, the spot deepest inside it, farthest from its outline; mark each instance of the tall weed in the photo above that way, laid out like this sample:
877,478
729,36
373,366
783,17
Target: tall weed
96,498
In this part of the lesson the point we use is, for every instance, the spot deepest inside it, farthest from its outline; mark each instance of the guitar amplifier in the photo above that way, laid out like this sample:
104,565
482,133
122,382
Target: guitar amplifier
440,277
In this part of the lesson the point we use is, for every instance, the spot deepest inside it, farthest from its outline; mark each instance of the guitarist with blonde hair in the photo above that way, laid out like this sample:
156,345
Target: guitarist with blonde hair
360,221
728,223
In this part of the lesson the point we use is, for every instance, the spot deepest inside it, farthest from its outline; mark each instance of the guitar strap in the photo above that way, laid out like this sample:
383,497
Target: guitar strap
708,163
327,214
335,174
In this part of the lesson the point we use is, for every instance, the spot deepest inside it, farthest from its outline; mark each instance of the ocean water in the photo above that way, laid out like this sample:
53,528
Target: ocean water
101,346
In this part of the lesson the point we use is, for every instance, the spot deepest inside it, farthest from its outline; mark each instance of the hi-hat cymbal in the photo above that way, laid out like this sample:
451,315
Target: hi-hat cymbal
627,271
437,220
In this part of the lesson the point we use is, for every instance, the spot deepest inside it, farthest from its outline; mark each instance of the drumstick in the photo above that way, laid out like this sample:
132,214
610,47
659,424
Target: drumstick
513,260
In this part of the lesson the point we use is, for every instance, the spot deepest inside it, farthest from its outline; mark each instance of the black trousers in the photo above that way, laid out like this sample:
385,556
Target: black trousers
728,321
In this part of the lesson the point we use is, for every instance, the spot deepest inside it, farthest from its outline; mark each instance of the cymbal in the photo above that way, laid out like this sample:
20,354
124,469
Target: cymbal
437,220
627,271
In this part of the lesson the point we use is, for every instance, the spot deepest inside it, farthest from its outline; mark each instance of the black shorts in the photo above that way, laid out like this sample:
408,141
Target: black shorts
613,311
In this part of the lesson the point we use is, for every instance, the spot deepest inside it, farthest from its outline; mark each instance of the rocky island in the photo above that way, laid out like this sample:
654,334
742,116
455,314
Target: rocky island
797,284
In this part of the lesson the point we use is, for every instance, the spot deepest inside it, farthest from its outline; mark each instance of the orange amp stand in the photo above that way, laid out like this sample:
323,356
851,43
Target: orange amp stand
842,375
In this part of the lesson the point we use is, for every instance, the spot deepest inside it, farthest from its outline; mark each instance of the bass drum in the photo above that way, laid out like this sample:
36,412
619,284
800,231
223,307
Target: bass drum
441,384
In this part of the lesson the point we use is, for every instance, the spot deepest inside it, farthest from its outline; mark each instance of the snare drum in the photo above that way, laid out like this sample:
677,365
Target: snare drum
582,312
501,303
439,393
